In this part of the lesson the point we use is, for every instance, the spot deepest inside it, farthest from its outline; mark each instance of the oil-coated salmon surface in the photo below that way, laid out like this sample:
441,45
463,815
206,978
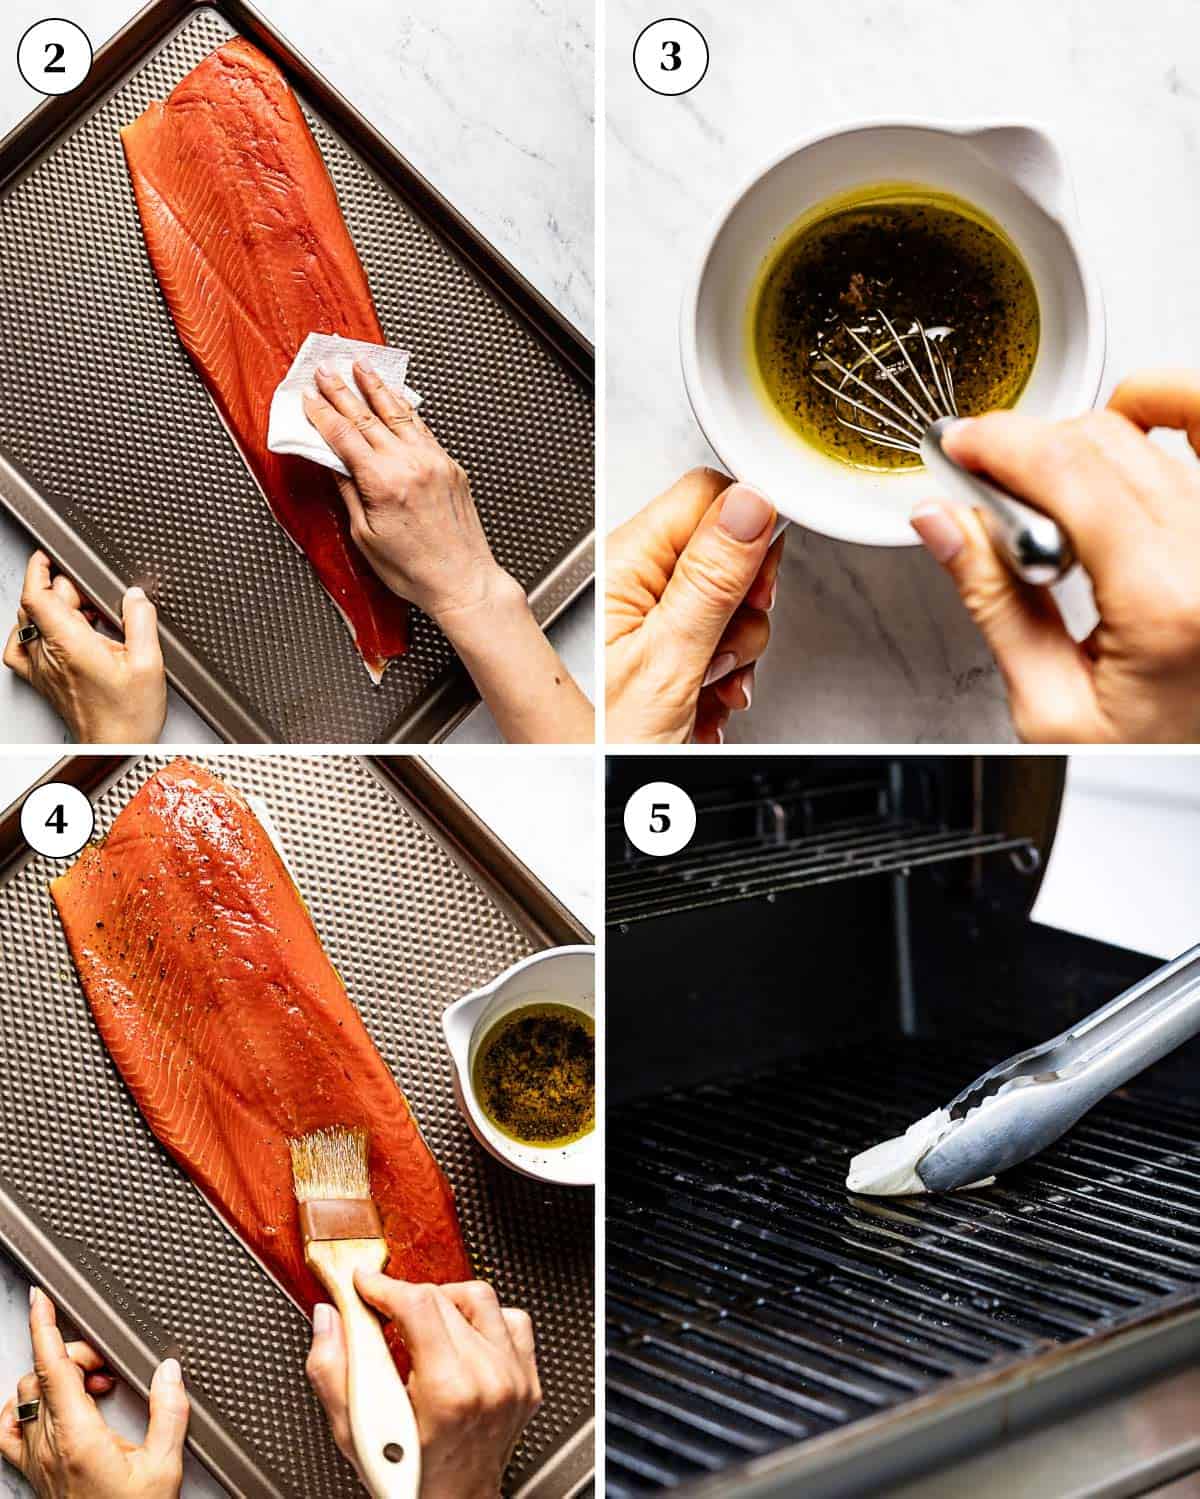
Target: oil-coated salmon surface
232,1029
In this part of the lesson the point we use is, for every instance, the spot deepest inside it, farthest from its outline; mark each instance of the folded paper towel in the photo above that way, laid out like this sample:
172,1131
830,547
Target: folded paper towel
289,429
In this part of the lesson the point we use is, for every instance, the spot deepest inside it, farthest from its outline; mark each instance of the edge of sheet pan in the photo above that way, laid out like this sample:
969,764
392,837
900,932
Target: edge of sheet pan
512,884
90,1296
445,706
90,1293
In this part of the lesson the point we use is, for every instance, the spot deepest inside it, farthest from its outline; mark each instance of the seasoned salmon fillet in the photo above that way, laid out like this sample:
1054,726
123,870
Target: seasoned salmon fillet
232,1029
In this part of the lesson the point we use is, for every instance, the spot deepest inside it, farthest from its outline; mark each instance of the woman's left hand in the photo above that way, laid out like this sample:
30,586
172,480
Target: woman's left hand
106,691
690,585
67,1451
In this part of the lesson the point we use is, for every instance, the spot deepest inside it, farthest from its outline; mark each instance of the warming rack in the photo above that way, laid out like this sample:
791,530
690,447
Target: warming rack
776,857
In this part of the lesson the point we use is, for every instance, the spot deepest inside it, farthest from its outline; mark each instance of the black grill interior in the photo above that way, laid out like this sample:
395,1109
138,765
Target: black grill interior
754,1046
752,1303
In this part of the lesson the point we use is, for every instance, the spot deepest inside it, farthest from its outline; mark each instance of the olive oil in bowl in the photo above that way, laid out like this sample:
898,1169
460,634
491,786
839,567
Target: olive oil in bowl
915,255
535,1075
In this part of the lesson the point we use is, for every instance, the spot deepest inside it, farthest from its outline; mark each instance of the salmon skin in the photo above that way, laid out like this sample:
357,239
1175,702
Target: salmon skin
250,248
232,1029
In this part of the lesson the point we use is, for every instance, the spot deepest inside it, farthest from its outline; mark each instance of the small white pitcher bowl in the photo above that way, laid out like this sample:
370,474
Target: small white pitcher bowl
1014,173
560,975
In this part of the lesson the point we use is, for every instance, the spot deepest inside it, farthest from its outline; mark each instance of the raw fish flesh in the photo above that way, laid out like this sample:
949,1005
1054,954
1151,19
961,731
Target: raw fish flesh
252,253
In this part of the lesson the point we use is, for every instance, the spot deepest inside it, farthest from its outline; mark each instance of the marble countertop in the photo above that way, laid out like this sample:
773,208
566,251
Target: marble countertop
494,106
557,844
871,644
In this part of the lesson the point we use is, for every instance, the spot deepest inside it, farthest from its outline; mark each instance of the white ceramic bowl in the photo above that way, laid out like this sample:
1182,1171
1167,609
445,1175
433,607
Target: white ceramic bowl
560,975
1014,173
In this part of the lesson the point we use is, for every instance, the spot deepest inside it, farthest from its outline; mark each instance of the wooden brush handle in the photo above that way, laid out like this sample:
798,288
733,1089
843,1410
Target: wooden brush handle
381,1414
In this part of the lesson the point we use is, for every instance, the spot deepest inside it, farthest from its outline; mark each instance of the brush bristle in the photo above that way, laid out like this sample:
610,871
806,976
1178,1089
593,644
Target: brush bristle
331,1164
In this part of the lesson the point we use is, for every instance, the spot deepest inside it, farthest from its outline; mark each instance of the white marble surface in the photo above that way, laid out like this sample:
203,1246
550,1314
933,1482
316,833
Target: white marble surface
494,104
868,644
553,834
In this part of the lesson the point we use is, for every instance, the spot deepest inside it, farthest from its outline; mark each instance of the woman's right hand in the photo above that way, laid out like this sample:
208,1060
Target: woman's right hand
410,506
413,517
1133,513
474,1382
690,583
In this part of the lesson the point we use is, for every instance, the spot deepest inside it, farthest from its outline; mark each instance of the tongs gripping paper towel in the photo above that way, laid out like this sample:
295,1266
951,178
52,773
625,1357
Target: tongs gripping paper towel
1028,1101
289,429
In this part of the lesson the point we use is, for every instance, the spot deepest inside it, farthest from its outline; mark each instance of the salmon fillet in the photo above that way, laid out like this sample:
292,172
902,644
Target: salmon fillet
232,1029
245,235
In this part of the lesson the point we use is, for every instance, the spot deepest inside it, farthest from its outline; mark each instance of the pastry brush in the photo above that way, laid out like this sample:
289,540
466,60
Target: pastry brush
343,1234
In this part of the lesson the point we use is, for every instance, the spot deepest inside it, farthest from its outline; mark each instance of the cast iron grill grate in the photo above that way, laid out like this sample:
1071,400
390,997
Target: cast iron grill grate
767,845
753,1304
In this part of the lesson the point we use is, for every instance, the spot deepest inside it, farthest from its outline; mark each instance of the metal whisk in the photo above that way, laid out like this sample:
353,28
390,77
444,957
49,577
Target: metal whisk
920,399
901,390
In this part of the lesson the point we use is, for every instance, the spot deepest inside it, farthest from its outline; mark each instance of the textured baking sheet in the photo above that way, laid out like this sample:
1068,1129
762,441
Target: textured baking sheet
115,457
411,927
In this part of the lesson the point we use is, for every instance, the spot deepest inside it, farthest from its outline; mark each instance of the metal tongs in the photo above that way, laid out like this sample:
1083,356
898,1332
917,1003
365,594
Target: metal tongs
1024,1104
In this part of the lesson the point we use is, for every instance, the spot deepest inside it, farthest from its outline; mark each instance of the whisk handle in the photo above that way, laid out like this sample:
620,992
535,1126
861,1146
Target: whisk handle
1036,548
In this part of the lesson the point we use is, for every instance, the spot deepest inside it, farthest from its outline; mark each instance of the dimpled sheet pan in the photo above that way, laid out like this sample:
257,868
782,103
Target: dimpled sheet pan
113,455
417,904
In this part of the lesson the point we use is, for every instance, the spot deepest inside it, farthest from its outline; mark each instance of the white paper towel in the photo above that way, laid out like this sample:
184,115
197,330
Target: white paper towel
289,429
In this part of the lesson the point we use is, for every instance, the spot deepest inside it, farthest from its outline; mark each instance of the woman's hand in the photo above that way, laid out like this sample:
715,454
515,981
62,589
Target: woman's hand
1133,513
67,1451
413,518
474,1382
106,691
410,506
691,580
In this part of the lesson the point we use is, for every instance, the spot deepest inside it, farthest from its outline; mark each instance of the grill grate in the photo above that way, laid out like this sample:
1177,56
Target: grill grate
772,860
753,1304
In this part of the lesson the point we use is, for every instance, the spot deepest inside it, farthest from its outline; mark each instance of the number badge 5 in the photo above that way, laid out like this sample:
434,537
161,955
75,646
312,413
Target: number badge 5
660,818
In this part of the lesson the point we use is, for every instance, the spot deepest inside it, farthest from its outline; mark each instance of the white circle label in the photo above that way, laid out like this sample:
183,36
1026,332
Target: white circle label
670,56
57,820
54,56
660,818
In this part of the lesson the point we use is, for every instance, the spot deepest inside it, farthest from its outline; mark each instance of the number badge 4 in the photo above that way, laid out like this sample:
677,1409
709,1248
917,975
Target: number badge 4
57,820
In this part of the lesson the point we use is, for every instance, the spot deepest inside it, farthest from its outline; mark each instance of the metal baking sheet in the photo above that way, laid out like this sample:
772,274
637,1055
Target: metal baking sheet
417,903
113,455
